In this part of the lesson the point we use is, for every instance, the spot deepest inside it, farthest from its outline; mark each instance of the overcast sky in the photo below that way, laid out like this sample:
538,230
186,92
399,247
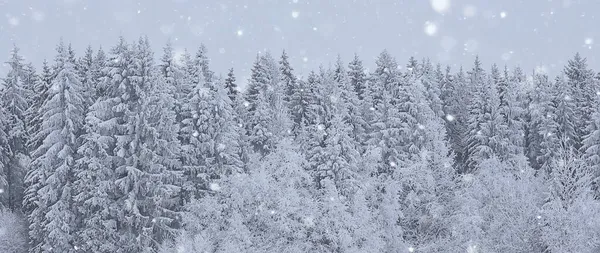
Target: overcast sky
534,34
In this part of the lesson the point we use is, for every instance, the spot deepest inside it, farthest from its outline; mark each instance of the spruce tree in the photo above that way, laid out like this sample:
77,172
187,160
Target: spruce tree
50,177
15,101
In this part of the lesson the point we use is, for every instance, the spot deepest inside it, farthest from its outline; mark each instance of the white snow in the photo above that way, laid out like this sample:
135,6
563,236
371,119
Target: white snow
449,117
239,32
588,41
411,249
214,187
440,6
295,14
503,14
430,28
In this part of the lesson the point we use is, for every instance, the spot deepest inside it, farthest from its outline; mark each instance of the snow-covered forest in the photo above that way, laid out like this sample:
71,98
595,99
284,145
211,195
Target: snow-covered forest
130,150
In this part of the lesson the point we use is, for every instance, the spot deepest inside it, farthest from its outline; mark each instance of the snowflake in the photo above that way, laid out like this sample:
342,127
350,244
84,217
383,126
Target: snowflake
478,132
37,15
246,103
221,50
305,59
295,14
430,28
393,164
538,217
239,32
421,127
272,212
14,21
320,127
195,134
411,249
372,108
153,220
214,187
503,14
589,41
1,190
440,6
75,247
449,117
472,248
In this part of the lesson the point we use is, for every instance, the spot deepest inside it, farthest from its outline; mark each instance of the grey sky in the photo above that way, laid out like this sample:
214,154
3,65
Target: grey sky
529,33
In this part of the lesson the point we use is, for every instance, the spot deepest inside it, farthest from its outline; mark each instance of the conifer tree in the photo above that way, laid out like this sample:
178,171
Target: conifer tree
50,177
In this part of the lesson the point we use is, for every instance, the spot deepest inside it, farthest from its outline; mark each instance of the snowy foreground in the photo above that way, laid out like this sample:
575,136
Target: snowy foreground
115,152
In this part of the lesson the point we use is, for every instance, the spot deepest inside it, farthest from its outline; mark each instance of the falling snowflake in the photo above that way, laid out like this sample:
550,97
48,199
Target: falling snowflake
503,14
538,217
195,134
272,212
37,15
14,21
393,164
411,249
221,50
421,127
440,6
246,103
305,59
449,117
295,14
320,127
214,187
589,41
153,220
472,248
239,32
1,190
430,28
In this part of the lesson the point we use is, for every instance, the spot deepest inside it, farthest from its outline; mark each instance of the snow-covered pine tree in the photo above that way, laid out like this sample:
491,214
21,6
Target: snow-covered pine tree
455,95
85,70
566,114
97,74
266,114
357,76
288,79
4,159
542,138
349,103
581,82
95,171
487,130
231,86
429,79
50,177
195,140
15,101
146,157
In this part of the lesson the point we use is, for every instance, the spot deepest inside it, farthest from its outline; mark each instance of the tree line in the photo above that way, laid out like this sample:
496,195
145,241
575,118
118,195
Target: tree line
117,152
